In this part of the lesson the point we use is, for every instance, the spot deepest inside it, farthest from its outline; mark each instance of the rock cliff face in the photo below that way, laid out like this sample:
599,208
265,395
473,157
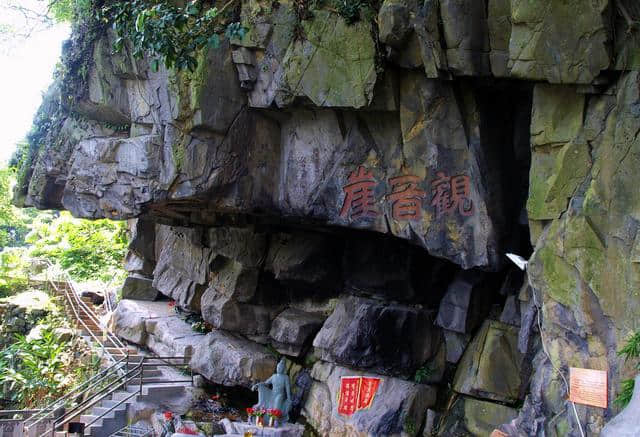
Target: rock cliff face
346,194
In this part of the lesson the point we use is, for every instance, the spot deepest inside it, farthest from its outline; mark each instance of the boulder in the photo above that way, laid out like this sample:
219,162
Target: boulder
293,329
398,406
469,416
466,35
244,245
134,264
128,321
232,279
230,360
549,41
224,312
455,345
182,269
171,337
316,68
139,288
370,334
463,305
307,258
492,366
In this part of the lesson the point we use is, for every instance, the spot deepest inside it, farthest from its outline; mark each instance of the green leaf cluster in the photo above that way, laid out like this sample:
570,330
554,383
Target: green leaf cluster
88,250
630,351
34,370
169,33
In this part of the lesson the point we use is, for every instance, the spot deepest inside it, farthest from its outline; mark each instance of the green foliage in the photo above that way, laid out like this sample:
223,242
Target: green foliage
87,249
423,373
631,350
35,369
167,32
410,426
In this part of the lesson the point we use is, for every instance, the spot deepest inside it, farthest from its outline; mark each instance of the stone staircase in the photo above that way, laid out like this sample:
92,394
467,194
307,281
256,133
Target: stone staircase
145,378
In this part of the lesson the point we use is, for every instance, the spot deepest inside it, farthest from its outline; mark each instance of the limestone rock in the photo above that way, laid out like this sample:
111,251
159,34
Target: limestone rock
171,337
244,245
182,268
134,264
466,36
128,321
455,345
369,334
462,305
549,41
493,351
318,69
138,287
627,422
397,403
303,257
471,416
292,329
224,312
394,22
230,360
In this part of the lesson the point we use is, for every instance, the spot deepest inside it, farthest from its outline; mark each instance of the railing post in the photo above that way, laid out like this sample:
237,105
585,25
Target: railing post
126,371
141,373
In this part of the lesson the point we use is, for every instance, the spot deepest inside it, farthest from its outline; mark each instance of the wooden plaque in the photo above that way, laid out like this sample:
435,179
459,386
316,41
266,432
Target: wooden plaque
588,387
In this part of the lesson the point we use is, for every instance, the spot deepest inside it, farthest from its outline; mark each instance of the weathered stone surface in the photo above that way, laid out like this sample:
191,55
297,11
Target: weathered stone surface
394,22
473,417
304,257
397,404
182,268
292,329
193,92
134,264
230,360
455,344
462,305
466,35
549,41
171,337
107,98
224,312
138,287
627,422
370,334
317,67
143,238
367,272
244,245
493,352
434,141
128,320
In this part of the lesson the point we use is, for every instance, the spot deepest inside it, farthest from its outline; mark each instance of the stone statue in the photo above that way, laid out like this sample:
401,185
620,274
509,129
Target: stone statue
627,422
279,395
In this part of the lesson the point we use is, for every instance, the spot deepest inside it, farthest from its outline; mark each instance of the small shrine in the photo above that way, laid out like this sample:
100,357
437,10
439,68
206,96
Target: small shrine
270,416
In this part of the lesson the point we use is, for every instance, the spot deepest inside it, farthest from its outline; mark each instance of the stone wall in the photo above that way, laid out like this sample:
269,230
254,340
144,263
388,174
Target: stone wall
345,195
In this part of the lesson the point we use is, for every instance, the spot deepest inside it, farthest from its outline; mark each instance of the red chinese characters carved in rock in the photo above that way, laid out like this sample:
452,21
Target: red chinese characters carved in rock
451,194
359,201
406,198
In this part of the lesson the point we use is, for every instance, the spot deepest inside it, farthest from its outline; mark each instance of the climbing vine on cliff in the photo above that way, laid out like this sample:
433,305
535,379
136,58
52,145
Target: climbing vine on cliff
170,34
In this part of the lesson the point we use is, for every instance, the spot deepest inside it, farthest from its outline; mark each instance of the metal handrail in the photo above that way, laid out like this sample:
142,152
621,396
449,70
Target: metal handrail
77,391
71,296
130,375
68,417
91,314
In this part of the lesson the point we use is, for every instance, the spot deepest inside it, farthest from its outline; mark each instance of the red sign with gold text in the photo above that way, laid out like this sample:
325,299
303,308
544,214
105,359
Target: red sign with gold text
356,393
